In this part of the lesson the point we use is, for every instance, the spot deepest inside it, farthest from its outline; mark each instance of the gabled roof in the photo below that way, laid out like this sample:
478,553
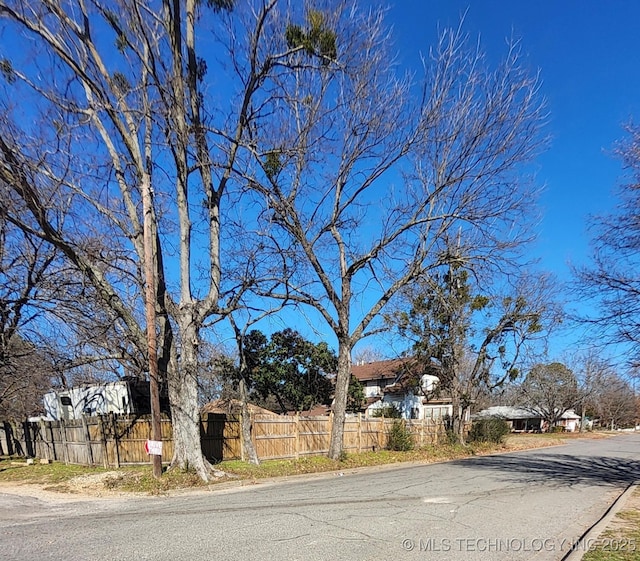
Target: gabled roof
397,369
379,370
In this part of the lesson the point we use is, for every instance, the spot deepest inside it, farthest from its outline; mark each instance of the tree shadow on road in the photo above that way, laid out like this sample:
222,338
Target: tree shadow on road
562,469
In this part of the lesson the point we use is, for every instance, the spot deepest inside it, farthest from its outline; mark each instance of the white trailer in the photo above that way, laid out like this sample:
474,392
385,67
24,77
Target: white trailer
121,397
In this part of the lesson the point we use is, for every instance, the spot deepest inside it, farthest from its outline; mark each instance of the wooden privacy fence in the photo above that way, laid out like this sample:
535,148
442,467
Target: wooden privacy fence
112,441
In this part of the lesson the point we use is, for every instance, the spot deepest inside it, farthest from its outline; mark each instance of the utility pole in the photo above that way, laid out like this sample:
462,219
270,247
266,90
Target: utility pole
150,309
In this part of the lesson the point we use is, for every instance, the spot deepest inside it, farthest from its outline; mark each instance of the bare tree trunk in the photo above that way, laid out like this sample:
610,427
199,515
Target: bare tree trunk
340,400
457,415
183,395
247,443
462,437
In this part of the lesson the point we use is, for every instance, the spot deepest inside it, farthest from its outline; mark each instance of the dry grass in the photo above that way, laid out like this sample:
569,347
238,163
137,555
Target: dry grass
621,540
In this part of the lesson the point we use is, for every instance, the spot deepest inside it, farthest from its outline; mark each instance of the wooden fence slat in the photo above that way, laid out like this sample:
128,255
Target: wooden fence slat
103,442
85,426
63,436
116,445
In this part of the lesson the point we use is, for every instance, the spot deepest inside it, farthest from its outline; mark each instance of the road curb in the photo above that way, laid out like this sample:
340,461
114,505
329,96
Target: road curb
593,532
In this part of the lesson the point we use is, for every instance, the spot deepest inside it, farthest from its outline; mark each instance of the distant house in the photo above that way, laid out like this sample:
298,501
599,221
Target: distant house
403,384
527,420
570,421
520,420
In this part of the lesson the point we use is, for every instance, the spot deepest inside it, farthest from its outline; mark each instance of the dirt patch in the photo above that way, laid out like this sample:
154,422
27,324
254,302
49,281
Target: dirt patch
83,487
95,484
516,442
48,494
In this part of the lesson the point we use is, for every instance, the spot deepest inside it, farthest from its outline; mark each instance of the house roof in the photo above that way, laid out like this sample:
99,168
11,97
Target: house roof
317,411
382,369
232,407
396,369
509,412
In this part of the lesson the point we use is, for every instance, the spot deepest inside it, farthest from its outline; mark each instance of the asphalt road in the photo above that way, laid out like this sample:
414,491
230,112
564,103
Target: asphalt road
527,505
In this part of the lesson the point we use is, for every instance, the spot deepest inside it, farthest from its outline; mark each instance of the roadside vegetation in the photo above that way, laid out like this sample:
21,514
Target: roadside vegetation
621,540
99,481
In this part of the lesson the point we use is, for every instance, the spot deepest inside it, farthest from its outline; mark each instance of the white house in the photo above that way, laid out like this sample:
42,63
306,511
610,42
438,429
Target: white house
527,420
392,383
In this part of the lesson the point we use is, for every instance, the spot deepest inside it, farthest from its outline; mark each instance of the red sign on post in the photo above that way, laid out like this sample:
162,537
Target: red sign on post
153,447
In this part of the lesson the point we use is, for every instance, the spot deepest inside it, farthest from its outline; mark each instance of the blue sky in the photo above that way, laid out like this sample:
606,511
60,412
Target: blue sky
588,56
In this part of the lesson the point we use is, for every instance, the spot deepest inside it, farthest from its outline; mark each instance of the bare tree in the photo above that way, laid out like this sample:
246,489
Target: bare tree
29,277
25,376
368,354
51,324
612,281
214,381
604,394
368,174
614,402
589,367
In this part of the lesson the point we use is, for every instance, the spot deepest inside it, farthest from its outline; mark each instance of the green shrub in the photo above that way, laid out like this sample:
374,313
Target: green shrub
388,412
452,437
399,436
557,429
493,429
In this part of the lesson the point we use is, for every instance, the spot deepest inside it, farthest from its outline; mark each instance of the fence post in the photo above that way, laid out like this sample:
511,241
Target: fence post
28,439
297,439
45,444
54,451
240,427
11,445
65,444
359,433
17,442
114,428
